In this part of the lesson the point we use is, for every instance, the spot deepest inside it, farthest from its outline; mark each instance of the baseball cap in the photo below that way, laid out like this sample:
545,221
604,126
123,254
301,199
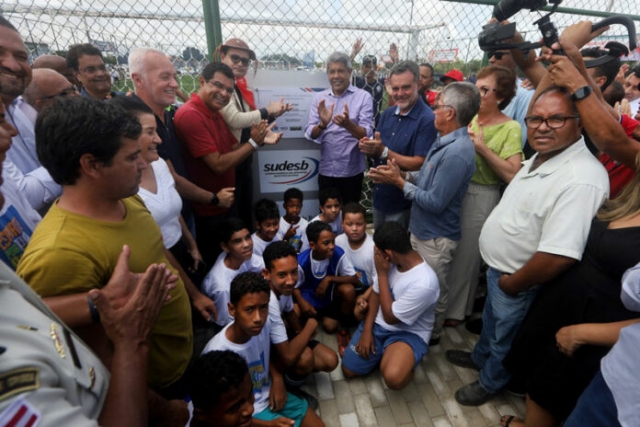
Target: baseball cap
454,75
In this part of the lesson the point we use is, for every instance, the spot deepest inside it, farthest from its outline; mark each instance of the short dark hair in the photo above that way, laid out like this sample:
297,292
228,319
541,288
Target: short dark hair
293,193
277,250
76,126
369,60
212,375
5,23
247,283
77,50
505,82
353,207
315,228
404,66
265,209
635,71
614,93
393,236
230,226
609,69
131,105
429,66
328,193
217,67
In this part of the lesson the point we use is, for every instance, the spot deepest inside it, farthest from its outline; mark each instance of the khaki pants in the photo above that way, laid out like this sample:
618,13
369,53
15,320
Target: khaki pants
438,253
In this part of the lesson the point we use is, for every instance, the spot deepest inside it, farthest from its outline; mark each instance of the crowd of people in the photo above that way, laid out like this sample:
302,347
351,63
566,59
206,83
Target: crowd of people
143,285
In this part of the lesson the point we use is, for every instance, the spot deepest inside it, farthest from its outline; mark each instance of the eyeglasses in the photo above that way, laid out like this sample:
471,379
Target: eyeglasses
499,55
437,107
553,122
485,90
237,59
93,70
70,91
220,86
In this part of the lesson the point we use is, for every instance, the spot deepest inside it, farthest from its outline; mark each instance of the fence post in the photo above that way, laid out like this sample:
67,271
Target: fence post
211,11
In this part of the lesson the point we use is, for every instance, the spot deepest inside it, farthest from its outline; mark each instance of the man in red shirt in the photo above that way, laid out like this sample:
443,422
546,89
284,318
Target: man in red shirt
211,151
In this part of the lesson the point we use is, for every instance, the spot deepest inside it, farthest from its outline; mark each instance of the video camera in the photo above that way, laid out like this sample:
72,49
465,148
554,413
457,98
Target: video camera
493,35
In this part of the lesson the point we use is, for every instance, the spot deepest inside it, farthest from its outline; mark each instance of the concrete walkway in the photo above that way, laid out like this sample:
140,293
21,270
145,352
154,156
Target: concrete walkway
428,401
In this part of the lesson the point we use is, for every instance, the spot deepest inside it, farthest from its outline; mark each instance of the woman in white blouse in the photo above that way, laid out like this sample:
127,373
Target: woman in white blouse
157,189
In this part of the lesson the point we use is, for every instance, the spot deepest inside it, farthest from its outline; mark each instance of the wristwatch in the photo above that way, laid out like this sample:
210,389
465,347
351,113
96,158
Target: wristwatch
214,200
581,93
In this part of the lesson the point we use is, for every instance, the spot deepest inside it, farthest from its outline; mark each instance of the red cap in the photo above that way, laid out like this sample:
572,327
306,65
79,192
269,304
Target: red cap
240,44
454,75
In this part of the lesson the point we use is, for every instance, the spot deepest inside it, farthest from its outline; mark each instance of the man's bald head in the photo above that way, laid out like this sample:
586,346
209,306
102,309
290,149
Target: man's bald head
47,85
57,63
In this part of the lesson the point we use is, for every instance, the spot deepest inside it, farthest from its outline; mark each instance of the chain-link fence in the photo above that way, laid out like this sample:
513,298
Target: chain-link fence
285,34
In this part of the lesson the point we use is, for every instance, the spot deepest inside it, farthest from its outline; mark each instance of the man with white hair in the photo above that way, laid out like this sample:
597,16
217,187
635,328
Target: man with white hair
154,79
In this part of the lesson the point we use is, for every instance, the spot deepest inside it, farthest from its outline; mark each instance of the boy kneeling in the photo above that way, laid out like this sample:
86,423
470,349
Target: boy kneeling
400,318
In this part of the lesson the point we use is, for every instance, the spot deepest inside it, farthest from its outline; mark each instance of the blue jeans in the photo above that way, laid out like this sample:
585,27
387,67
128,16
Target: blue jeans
501,318
596,407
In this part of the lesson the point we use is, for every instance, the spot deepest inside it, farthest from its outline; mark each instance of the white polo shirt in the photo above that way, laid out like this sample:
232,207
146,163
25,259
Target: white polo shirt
547,210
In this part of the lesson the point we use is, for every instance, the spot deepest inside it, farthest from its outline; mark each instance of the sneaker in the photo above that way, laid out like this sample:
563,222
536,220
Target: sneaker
473,395
311,400
461,358
343,341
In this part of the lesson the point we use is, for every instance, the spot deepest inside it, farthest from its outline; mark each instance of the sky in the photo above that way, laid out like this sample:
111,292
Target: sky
419,27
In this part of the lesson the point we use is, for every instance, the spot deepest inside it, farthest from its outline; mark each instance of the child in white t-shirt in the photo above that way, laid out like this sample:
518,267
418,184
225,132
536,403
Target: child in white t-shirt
237,256
267,224
292,226
358,247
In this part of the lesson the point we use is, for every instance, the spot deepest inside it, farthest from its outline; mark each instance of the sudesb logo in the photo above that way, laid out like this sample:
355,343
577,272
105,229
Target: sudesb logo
286,166
308,167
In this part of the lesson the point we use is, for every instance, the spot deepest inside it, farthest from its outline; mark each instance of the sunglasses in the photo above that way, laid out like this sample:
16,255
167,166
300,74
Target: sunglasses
499,55
237,59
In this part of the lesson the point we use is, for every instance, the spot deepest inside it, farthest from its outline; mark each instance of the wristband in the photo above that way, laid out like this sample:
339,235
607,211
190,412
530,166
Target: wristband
95,314
385,153
321,127
253,144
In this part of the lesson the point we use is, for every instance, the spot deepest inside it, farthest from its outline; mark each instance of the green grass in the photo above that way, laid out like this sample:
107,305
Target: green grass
188,84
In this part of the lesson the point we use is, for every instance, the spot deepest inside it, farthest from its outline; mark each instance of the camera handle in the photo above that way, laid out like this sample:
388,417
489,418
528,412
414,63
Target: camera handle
615,49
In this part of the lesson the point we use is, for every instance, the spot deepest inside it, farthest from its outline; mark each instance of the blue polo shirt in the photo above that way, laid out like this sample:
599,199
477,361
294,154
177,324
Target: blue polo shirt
411,134
440,186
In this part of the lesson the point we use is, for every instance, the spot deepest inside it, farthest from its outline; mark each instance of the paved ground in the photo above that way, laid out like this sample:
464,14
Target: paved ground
427,401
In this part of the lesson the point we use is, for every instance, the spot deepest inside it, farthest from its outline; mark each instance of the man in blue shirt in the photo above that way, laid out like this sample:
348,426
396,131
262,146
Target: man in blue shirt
87,64
438,188
405,134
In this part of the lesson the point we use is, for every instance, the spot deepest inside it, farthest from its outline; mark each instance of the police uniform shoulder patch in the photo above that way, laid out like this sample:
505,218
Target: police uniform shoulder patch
18,381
